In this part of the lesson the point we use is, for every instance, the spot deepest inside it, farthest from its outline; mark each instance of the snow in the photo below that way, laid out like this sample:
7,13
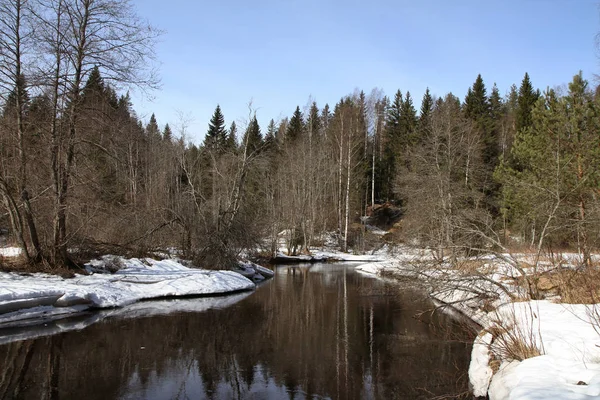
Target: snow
10,251
567,335
136,310
480,373
570,349
322,255
253,271
546,377
37,298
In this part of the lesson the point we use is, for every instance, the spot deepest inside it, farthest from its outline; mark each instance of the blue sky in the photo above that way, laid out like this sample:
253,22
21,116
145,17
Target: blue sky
278,54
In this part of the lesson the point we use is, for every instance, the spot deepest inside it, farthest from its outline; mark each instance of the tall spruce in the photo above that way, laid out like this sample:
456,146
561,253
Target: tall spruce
314,121
492,139
325,118
391,147
525,102
253,139
231,140
217,133
408,124
152,130
167,133
271,136
295,127
426,109
477,104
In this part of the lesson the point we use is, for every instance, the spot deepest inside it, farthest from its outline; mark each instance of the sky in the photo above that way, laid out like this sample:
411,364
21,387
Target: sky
279,54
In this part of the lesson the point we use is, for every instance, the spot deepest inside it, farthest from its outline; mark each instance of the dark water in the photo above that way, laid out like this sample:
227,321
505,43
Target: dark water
313,332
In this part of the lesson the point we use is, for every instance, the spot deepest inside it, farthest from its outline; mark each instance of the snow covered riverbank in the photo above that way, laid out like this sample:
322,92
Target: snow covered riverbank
113,282
566,336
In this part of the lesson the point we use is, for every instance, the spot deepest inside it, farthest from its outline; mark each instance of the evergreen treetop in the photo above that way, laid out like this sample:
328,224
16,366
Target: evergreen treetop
253,139
217,133
525,103
295,127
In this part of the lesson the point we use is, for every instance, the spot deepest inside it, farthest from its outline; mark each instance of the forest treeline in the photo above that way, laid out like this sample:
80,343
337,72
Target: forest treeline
80,170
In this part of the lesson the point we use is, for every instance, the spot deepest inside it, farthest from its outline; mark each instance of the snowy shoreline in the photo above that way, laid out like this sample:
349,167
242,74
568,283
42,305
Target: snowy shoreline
114,283
567,334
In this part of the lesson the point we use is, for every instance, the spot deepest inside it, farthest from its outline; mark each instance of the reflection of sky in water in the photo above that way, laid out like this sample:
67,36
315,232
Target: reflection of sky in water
314,331
184,381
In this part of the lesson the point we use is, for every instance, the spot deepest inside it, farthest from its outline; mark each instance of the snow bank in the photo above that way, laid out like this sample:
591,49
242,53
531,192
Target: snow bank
568,338
570,365
136,310
36,298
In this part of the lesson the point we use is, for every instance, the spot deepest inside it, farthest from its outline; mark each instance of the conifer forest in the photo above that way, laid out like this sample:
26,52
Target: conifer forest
503,167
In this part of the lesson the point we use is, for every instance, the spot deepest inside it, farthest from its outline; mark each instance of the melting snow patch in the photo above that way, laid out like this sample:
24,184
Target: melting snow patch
41,297
10,251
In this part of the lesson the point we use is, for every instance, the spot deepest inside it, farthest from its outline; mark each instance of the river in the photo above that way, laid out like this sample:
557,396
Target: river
312,332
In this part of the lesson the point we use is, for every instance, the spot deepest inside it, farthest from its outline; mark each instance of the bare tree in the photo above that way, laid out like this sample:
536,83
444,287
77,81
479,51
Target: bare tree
16,35
77,36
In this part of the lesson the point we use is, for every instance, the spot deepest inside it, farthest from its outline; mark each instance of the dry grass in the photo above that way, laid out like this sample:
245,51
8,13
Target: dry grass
514,340
576,286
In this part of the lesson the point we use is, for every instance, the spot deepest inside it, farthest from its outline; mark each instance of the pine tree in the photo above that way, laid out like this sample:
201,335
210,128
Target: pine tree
217,133
295,127
553,175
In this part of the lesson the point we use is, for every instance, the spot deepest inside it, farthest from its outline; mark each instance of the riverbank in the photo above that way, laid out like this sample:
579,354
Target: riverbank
526,349
113,282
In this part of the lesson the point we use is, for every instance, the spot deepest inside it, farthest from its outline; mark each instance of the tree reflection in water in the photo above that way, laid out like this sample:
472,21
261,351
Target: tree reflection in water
320,331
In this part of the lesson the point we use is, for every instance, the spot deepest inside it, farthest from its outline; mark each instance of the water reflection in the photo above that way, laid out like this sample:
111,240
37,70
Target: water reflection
312,332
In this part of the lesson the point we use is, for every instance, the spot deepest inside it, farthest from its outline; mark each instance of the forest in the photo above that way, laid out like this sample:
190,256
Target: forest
81,172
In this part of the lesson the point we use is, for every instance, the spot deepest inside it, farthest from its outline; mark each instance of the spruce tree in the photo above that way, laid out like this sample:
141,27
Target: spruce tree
152,130
426,108
392,146
525,102
124,106
296,126
492,148
217,133
167,133
271,136
408,124
253,139
553,177
393,121
314,121
94,86
477,104
325,118
231,140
